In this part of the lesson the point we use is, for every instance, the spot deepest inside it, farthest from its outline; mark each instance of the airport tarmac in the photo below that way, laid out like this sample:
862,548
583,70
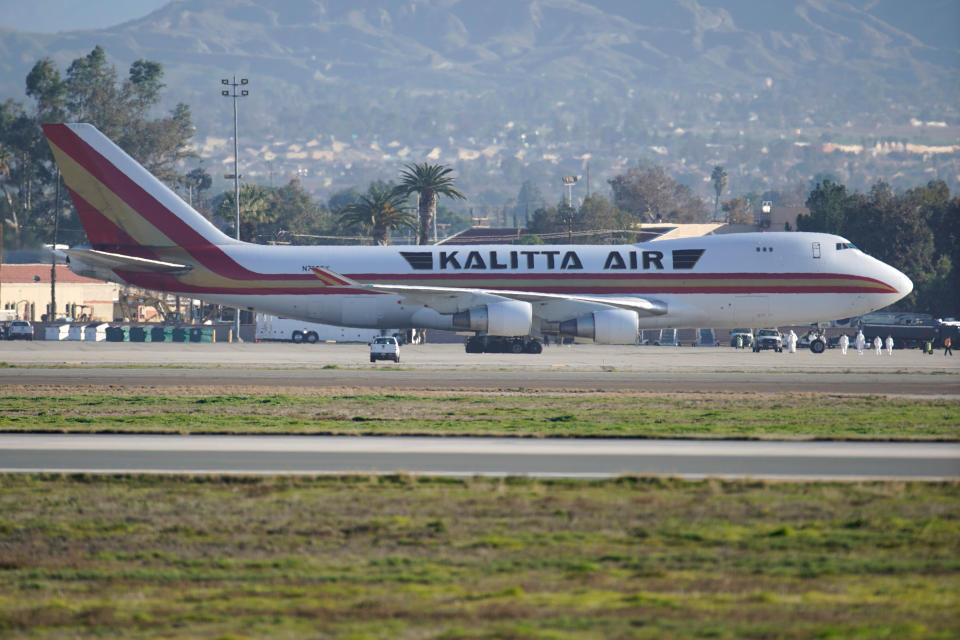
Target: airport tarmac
581,367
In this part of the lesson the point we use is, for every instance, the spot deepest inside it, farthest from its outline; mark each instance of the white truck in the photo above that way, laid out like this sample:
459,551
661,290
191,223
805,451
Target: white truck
20,330
289,330
385,348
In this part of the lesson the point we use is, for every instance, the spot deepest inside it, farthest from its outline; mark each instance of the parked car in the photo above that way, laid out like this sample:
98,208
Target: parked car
768,339
20,330
385,348
744,334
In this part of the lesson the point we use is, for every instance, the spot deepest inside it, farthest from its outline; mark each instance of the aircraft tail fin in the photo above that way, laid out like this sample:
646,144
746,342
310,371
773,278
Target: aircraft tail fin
122,206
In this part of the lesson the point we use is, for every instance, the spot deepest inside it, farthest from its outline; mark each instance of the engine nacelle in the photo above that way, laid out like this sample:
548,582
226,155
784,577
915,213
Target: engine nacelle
508,318
613,326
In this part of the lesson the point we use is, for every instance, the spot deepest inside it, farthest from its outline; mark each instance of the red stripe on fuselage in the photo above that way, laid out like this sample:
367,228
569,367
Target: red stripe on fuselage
661,284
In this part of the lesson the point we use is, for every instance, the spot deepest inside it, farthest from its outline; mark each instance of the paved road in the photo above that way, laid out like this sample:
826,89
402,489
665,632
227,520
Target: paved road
476,456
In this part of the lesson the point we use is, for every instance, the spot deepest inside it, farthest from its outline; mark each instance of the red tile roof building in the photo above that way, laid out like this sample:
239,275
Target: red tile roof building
26,288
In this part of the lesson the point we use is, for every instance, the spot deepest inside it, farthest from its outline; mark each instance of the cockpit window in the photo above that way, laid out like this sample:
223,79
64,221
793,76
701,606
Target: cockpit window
845,245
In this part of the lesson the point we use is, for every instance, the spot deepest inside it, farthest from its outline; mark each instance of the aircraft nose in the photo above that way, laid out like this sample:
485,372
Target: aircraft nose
899,281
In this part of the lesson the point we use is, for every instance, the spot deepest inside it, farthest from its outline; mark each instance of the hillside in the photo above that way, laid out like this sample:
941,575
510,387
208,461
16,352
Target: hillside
516,89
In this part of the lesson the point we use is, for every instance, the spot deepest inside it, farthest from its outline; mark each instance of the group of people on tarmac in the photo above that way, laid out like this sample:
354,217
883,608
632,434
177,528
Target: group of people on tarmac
860,342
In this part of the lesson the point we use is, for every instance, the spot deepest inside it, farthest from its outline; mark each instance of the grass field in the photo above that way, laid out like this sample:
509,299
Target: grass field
401,557
535,414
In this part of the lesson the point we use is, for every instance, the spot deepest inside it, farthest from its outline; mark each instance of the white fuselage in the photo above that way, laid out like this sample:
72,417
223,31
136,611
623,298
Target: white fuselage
758,279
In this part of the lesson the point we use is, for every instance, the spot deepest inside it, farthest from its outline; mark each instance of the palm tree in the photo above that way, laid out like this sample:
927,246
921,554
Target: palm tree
380,210
429,181
719,178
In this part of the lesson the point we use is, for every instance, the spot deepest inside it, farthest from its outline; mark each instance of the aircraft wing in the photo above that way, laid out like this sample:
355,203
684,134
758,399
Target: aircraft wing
107,260
450,300
549,306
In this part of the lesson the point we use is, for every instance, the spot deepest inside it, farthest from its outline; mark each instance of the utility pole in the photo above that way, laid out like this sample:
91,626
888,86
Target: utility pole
232,93
53,254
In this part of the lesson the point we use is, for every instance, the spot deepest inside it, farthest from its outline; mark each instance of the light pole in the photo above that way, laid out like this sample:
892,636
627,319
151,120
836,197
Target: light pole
232,93
569,181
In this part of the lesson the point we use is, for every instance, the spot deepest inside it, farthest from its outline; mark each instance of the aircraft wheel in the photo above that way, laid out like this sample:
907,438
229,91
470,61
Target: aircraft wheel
297,337
312,338
534,347
817,346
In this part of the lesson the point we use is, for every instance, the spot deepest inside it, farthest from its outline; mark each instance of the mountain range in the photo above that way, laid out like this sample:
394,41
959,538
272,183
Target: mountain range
614,79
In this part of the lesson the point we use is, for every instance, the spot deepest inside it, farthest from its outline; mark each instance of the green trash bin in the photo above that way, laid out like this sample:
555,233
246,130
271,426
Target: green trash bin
202,334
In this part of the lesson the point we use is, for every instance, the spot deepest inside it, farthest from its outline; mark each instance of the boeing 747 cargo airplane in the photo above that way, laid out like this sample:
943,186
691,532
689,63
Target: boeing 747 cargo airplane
144,234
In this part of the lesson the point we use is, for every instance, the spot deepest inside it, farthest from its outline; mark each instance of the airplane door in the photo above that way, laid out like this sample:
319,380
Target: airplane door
751,311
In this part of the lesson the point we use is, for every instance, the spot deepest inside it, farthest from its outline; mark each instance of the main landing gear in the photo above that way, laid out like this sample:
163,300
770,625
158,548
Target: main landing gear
501,344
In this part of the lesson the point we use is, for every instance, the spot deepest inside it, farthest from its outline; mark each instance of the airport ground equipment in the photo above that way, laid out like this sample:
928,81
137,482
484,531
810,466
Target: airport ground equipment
270,327
502,344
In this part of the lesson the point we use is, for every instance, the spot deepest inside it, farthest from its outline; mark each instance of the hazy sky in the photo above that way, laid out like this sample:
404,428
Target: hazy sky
50,16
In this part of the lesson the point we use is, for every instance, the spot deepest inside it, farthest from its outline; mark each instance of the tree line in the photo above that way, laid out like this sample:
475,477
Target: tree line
917,232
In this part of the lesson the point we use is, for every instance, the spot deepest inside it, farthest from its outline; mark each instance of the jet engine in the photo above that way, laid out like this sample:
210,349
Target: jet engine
507,318
613,326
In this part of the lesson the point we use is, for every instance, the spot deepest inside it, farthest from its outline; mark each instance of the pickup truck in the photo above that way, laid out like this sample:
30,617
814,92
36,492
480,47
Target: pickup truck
768,339
20,330
384,348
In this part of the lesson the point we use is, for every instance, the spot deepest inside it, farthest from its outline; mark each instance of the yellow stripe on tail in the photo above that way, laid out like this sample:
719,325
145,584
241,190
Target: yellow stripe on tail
332,278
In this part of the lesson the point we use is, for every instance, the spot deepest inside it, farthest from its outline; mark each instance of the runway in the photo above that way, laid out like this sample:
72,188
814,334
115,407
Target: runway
545,458
441,367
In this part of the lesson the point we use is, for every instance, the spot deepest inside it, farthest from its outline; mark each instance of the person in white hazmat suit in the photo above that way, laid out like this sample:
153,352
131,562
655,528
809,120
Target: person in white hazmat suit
888,343
878,345
861,342
844,343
